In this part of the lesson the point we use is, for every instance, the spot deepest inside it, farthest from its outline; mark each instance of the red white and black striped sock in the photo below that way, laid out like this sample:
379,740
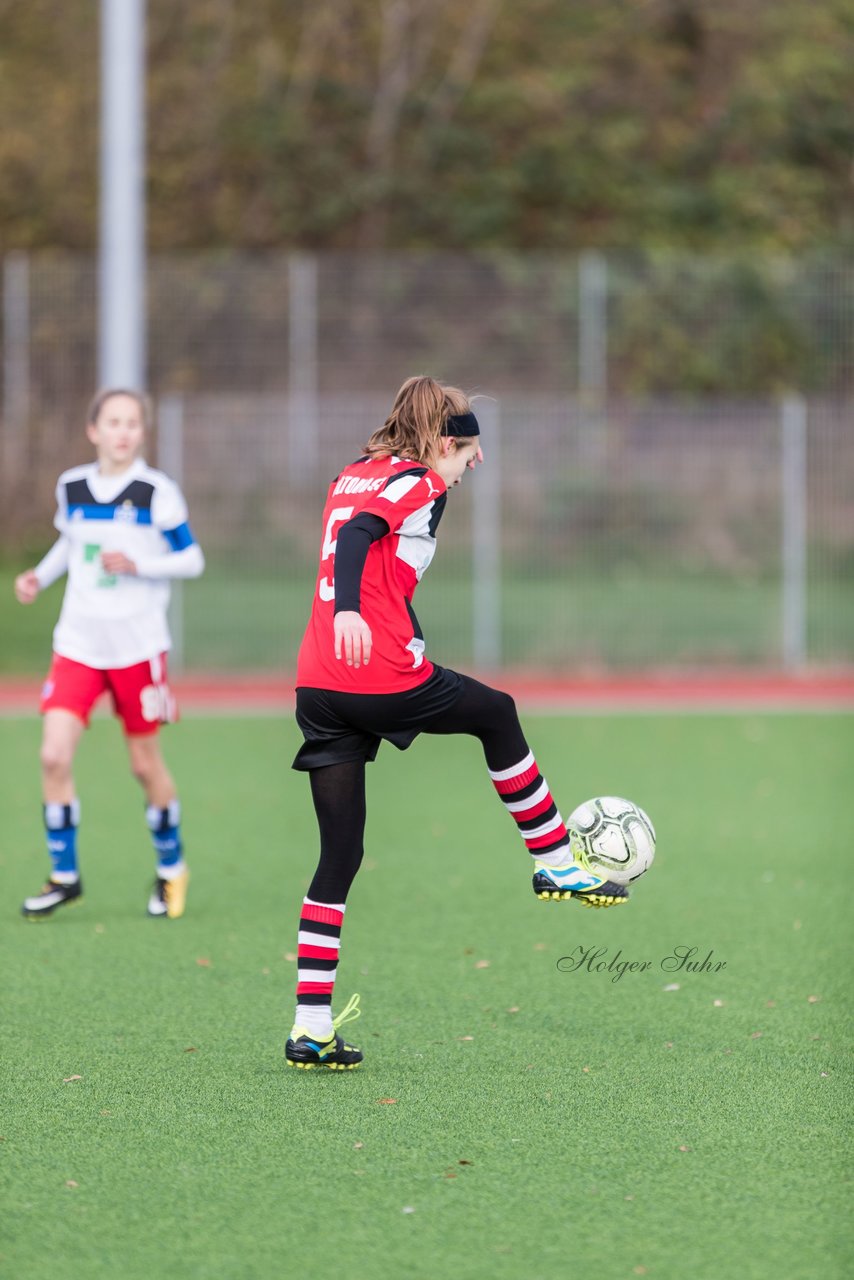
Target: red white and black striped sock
317,962
526,796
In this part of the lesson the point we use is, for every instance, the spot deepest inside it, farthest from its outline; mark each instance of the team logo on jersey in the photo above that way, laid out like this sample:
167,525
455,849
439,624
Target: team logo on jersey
126,513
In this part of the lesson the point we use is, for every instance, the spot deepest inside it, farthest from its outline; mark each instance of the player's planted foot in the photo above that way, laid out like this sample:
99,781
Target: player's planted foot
575,881
169,897
307,1052
52,895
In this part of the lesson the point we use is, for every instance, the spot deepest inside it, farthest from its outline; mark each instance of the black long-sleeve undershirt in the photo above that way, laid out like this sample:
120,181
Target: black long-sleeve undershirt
355,539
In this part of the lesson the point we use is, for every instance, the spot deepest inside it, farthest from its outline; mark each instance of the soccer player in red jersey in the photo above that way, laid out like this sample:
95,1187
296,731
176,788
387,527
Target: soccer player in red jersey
363,676
123,534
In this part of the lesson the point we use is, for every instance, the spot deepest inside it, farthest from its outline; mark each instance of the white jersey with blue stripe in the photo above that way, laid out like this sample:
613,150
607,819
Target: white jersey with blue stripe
116,620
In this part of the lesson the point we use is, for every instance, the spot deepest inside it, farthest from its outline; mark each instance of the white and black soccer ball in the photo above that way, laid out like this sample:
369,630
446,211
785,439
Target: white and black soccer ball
613,836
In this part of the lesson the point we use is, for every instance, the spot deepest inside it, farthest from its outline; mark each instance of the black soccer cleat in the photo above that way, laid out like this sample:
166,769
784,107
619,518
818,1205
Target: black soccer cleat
306,1051
51,896
607,895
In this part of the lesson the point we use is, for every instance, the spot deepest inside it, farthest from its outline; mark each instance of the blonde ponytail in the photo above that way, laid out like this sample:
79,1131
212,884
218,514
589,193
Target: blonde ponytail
420,411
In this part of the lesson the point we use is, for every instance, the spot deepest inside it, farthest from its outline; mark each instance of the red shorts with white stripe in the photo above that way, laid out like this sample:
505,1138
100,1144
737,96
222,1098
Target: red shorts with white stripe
141,695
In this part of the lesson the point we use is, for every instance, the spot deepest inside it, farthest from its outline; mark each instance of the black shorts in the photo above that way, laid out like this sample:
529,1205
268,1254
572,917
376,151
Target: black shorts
339,727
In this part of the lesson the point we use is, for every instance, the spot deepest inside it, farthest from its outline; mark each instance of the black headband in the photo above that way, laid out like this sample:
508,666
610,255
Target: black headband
461,424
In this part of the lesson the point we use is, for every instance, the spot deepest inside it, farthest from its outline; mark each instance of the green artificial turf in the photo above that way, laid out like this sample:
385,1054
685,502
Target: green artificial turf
511,1119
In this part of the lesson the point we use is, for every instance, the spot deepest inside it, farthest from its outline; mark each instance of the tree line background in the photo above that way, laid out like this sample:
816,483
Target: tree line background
447,172
407,124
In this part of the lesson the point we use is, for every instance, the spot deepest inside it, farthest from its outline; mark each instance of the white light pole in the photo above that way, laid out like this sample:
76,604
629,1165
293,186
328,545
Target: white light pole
121,285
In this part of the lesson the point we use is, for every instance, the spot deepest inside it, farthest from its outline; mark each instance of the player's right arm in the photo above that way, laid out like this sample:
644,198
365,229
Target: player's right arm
26,586
52,566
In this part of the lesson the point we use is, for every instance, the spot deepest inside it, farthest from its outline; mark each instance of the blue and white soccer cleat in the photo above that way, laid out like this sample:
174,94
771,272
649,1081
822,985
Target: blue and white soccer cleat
574,880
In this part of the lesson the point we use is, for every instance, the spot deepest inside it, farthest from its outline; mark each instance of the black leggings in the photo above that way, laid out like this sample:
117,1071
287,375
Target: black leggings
338,790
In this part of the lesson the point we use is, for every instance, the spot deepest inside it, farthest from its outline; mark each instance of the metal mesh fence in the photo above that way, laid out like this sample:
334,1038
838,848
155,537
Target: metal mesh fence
650,535
654,494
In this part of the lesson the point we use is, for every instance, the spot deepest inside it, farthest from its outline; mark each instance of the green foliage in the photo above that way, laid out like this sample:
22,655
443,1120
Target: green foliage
361,123
729,323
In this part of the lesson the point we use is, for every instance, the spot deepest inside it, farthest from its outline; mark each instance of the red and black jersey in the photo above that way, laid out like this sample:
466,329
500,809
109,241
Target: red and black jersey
410,498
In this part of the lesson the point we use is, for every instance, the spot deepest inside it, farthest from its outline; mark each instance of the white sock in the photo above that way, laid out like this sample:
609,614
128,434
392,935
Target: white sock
65,877
559,858
171,873
316,1019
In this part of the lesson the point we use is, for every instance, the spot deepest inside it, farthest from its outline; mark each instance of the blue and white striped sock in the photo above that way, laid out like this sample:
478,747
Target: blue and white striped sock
61,822
165,828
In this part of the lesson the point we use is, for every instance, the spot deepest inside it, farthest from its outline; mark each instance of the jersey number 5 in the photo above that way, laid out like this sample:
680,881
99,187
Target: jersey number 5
337,516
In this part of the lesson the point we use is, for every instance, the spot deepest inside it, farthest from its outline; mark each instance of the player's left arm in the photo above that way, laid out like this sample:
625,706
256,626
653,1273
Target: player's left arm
186,563
184,559
352,634
402,496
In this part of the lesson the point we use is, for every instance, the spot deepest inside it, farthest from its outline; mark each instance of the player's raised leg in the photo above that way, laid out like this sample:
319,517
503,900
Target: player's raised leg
163,815
490,715
61,731
558,873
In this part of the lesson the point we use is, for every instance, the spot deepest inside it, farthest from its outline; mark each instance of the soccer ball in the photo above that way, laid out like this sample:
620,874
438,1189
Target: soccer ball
613,836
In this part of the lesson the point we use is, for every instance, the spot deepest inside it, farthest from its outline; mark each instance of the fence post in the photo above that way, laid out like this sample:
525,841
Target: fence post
486,543
170,458
303,449
592,328
16,365
793,423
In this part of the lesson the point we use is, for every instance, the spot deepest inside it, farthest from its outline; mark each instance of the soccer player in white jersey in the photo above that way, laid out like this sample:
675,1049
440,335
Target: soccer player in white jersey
123,534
